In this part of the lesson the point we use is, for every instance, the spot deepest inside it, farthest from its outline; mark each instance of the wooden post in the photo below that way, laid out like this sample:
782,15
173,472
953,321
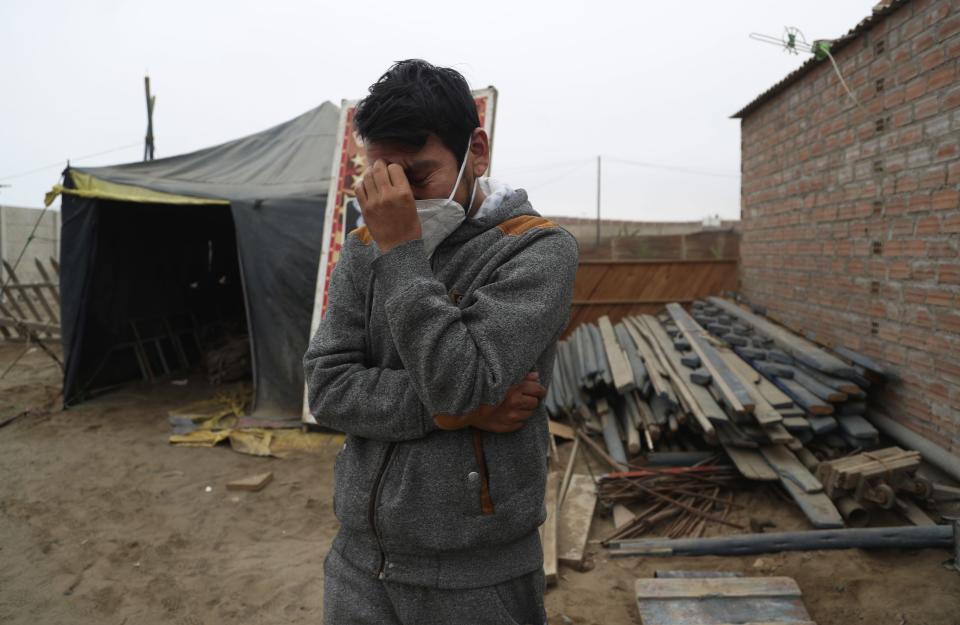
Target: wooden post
598,204
148,141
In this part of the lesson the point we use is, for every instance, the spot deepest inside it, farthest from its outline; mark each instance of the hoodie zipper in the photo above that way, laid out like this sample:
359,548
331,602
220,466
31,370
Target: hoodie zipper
387,457
374,497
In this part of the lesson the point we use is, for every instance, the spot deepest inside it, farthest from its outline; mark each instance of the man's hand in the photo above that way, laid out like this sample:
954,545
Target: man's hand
508,416
389,209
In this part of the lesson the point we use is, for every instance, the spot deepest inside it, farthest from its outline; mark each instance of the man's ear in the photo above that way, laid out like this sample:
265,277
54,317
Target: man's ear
480,152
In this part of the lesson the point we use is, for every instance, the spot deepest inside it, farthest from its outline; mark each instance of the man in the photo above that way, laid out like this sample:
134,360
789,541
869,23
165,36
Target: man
432,357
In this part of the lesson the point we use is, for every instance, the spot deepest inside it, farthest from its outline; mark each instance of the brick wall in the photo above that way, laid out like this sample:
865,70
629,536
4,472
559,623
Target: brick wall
851,218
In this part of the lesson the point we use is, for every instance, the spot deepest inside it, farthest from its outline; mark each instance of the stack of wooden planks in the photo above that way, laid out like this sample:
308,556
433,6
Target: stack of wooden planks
828,388
719,376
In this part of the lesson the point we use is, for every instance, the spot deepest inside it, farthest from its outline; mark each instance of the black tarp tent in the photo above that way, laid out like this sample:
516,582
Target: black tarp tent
131,231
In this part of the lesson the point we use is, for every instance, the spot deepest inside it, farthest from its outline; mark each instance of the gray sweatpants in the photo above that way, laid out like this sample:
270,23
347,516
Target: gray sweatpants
352,596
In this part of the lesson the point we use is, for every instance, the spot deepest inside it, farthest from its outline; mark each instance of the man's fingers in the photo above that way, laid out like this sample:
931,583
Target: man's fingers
533,375
519,415
525,402
370,181
381,178
398,178
361,195
534,389
368,187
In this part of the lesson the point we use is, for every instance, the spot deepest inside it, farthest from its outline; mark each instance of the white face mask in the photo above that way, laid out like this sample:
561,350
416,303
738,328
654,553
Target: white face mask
440,217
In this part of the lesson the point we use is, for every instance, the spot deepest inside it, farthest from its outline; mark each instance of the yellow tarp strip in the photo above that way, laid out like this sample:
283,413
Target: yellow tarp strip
90,186
216,421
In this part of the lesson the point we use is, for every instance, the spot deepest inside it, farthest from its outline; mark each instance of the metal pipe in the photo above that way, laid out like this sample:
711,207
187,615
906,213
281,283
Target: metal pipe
931,452
956,544
909,537
853,512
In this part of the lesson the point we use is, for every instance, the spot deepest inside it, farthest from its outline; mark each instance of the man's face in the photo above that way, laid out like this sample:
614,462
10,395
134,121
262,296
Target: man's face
431,170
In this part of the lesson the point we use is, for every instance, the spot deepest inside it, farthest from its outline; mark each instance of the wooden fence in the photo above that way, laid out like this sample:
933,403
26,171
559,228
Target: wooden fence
33,307
629,287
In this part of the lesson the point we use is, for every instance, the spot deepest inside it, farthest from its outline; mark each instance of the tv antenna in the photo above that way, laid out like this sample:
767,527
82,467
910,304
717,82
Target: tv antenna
793,41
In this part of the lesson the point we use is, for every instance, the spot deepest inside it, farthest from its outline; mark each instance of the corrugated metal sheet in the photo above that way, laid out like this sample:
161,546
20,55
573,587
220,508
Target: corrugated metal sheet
838,44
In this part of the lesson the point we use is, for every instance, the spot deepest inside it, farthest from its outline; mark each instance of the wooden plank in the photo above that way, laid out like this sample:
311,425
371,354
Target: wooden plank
630,429
684,574
777,398
844,386
655,369
698,399
724,611
815,386
763,412
734,393
914,513
54,289
12,277
622,515
611,433
777,433
785,463
751,464
712,587
562,430
51,316
548,531
568,472
573,522
633,356
14,306
797,346
858,427
817,507
619,365
4,332
251,483
804,398
596,344
36,326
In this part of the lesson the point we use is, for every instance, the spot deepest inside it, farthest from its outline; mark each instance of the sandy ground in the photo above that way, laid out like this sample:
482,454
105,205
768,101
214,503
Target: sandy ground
102,521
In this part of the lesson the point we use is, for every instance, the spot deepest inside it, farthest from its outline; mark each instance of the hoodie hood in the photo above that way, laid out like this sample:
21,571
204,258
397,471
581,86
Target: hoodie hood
505,206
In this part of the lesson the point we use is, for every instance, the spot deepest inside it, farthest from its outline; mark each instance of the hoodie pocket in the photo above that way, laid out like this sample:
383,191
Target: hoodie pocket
486,501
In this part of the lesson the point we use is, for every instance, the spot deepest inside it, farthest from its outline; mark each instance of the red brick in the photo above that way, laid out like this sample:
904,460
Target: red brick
948,27
948,322
939,78
916,88
926,107
947,151
949,273
951,99
941,249
927,226
945,199
940,297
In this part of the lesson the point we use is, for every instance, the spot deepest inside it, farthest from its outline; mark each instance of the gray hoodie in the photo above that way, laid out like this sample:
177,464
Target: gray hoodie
406,339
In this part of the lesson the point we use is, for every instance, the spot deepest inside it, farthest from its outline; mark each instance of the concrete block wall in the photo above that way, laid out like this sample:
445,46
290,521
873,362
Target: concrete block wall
851,218
16,223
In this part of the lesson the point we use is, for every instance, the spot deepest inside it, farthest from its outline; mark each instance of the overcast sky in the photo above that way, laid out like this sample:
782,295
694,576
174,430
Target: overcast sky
647,82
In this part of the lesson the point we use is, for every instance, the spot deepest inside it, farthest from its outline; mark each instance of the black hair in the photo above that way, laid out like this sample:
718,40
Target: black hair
415,98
